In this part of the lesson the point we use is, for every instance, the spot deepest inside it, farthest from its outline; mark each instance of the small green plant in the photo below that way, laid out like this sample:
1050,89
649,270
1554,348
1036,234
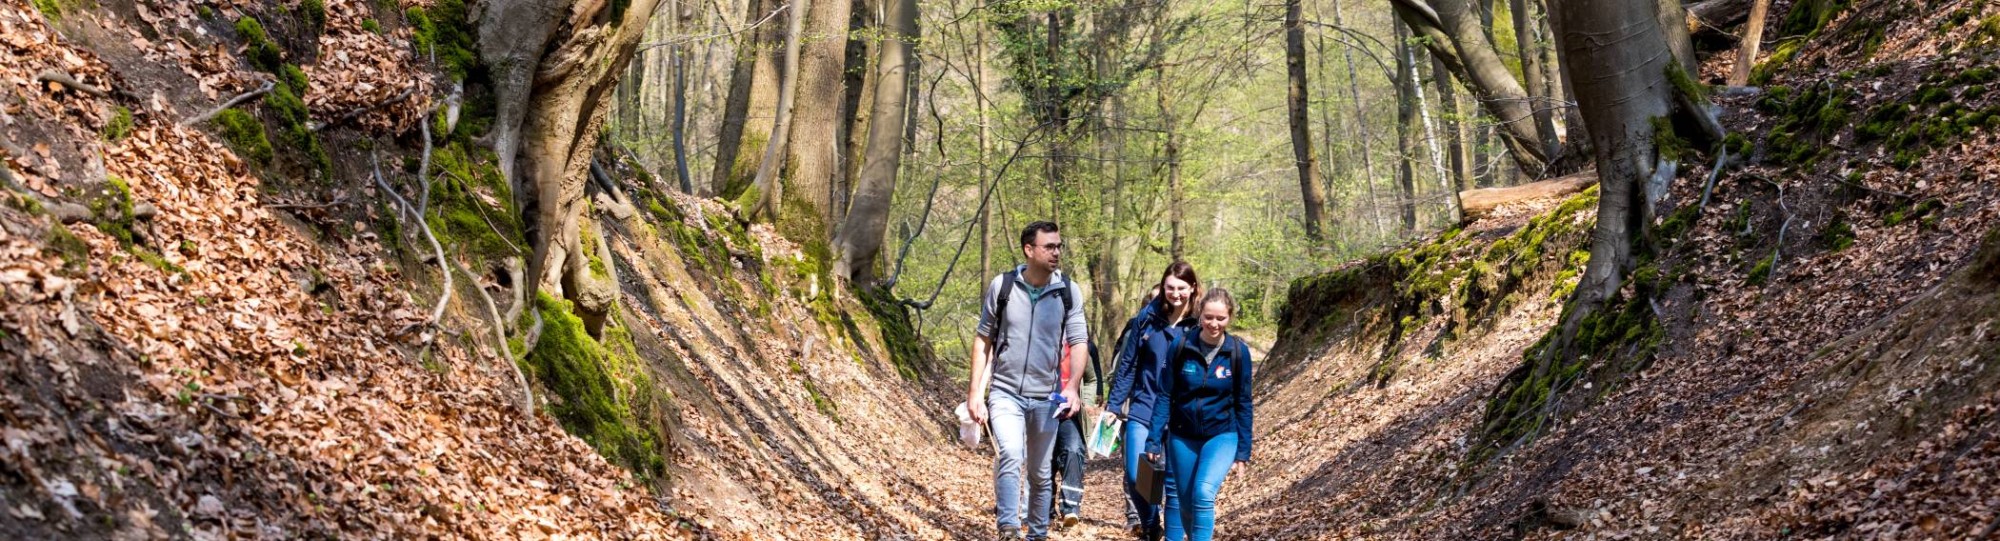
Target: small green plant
119,126
371,26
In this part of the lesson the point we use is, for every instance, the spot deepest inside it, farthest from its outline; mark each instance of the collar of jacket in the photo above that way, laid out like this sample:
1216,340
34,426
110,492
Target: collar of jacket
1190,342
1156,312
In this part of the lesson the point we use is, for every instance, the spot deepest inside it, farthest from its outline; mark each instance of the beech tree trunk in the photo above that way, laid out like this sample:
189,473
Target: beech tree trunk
1406,134
1296,102
1626,90
769,187
1534,73
556,64
861,236
1454,129
752,102
813,157
1454,31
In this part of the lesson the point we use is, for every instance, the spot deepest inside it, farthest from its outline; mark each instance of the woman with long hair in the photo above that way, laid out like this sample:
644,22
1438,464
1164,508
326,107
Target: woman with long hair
1202,418
1142,352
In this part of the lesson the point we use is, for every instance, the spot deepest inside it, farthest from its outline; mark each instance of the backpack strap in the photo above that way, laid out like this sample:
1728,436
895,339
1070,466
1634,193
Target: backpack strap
1000,310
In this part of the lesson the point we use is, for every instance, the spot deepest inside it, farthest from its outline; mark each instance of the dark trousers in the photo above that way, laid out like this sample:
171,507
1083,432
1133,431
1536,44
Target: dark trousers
1068,459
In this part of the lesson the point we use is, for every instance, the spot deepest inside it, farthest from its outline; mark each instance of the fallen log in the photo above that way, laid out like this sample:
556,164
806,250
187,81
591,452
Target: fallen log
1478,203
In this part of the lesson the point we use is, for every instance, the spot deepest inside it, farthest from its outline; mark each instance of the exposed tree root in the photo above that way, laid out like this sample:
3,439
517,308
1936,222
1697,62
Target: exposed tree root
527,404
444,297
53,76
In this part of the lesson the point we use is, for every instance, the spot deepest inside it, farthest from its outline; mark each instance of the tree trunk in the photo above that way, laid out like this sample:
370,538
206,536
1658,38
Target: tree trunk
1454,128
980,77
1455,33
751,104
1627,91
1673,25
1176,218
860,237
1296,109
813,158
1753,37
858,80
770,188
1361,125
1445,189
553,91
1534,74
1406,115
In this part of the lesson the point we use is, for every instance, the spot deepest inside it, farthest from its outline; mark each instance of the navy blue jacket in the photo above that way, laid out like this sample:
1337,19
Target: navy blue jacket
1206,398
1141,348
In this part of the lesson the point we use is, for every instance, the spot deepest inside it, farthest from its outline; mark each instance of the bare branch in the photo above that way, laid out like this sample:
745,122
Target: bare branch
238,100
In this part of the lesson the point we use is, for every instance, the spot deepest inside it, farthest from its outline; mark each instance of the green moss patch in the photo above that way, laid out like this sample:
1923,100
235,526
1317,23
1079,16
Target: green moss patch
244,134
120,124
442,31
906,348
602,393
463,179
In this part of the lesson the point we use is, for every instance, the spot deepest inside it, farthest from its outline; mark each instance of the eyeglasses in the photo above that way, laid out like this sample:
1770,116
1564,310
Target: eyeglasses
1053,247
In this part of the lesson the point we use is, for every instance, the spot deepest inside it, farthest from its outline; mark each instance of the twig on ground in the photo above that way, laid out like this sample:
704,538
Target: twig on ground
444,297
527,404
53,76
238,100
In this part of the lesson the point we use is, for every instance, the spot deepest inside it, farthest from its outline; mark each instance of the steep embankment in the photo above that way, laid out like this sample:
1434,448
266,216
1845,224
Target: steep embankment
1824,364
224,328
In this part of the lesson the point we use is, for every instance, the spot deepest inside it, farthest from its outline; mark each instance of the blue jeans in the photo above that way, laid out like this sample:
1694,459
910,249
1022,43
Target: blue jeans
1024,435
1198,467
1135,458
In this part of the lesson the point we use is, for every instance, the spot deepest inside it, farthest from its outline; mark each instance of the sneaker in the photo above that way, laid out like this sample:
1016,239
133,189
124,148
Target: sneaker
1009,535
1070,520
1137,531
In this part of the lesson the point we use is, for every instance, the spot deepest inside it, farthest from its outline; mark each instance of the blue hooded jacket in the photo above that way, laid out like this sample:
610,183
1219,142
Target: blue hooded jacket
1201,398
1142,348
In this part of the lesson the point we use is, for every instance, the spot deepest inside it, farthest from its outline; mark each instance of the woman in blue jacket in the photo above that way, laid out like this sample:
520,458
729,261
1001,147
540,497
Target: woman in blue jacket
1205,410
1142,351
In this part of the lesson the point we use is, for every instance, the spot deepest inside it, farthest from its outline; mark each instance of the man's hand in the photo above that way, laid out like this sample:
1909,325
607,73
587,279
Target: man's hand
1071,403
976,408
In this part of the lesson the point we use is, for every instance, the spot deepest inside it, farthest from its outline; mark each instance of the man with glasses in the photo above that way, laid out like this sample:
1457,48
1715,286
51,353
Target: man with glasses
1017,387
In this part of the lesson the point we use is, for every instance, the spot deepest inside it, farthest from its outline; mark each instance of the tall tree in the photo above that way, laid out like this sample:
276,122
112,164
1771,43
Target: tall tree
860,237
812,160
1533,74
1406,134
1454,127
555,65
752,101
1296,101
1627,103
769,187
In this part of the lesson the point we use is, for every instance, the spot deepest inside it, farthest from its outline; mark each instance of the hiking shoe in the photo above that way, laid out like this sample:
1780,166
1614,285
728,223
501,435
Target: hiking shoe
1009,534
1070,520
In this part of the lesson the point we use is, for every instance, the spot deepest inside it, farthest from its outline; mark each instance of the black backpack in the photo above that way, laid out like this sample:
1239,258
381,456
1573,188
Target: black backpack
1000,307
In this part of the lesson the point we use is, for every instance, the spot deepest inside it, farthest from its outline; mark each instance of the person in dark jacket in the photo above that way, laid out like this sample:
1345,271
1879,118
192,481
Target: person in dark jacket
1136,380
1070,455
1203,417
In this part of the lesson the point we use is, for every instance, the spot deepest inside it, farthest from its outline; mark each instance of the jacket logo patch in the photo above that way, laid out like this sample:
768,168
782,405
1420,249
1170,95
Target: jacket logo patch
1189,368
1221,372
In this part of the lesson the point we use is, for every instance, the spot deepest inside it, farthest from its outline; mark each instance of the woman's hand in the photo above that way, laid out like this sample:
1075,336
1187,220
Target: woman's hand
1236,464
1154,458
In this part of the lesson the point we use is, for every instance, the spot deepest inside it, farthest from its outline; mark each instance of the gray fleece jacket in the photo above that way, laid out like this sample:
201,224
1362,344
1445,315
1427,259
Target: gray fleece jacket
1028,363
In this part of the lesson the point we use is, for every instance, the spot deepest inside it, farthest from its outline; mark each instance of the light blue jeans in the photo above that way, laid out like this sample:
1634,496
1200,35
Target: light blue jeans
1135,458
1198,466
1024,429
